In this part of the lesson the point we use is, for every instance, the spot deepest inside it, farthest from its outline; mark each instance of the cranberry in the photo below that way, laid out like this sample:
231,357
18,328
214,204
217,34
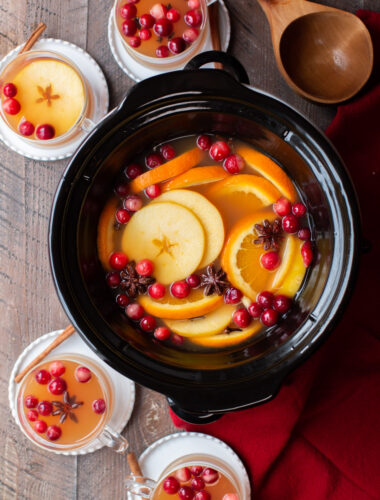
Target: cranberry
11,106
128,11
45,132
162,51
170,485
299,209
197,483
146,21
230,496
180,289
32,415
134,311
99,406
282,207
42,376
196,470
219,150
26,128
193,4
145,34
304,234
153,191
193,280
153,160
290,224
270,260
186,493
145,267
202,495
148,323
183,475
53,432
122,189
122,216
113,279
307,253
269,317
168,152
190,35
133,170
282,303
82,374
232,296
234,164
242,319
9,90
193,18
177,339
204,142
162,333
157,291
122,300
255,310
44,408
210,476
129,27
40,426
57,368
177,45
163,27
173,15
57,386
118,260
265,299
134,41
30,401
158,11
133,203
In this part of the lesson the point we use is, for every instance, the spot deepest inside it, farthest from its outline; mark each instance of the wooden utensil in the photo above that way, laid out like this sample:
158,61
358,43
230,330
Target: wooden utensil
324,54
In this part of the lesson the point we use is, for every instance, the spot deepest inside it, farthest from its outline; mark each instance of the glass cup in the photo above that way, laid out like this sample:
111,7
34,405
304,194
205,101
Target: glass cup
103,432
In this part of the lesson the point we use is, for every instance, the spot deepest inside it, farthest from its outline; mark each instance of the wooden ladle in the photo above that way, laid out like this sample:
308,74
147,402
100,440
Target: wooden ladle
324,54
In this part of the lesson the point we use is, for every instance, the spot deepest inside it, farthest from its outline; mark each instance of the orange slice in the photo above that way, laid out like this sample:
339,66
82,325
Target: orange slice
196,304
269,169
167,170
228,339
295,275
195,177
288,257
106,232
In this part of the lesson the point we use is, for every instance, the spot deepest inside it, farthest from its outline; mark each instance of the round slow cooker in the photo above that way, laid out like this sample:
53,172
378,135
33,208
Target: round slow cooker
200,386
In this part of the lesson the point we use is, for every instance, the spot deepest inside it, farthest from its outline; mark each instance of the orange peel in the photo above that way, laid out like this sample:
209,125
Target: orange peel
195,177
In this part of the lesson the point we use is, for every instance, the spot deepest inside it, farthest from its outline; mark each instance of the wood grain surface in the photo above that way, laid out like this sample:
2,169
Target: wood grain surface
29,305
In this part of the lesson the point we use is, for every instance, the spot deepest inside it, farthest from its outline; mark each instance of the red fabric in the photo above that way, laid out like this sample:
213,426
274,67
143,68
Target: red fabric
319,439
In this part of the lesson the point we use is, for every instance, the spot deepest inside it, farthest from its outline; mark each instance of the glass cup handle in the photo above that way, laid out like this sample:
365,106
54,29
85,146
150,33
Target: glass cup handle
113,440
87,125
138,485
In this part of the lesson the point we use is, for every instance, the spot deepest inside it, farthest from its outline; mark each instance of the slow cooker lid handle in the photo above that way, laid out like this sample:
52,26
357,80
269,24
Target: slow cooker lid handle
228,61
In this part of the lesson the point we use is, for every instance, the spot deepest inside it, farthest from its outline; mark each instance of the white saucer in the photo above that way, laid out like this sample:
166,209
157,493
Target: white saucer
100,98
124,388
137,71
167,449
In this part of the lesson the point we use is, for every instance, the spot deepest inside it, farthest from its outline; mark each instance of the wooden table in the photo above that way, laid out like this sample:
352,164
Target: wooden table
28,303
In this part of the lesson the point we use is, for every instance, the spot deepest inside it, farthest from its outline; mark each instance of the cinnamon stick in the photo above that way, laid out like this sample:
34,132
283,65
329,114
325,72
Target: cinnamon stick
56,342
33,38
213,12
134,464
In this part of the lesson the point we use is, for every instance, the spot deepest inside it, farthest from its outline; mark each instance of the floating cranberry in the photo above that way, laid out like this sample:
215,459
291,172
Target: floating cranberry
113,279
196,470
40,426
128,11
122,189
145,34
148,323
255,310
290,224
32,415
158,11
170,485
153,160
122,300
232,296
282,303
197,483
31,401
163,27
26,128
118,260
180,289
282,207
230,496
204,142
122,216
9,90
153,191
234,164
157,290
242,319
265,299
134,311
193,18
134,41
99,406
177,45
162,51
270,260
133,203
193,4
162,333
45,132
202,495
129,27
57,368
183,475
269,317
133,170
210,476
219,150
11,106
186,493
304,234
173,15
190,35
43,376
145,267
44,408
307,253
193,280
146,21
82,374
299,209
57,386
53,432
177,339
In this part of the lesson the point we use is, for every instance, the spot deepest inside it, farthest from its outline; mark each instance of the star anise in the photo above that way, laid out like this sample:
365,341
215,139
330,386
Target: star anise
214,281
47,94
269,233
132,282
65,408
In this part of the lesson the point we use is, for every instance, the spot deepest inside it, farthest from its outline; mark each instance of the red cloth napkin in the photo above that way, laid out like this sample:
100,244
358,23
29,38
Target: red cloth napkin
319,439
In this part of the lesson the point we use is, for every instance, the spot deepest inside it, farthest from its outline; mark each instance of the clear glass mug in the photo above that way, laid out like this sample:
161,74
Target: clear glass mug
147,488
103,432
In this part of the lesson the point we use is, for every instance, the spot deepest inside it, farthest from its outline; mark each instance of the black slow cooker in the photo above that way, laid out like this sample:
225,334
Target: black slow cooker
201,386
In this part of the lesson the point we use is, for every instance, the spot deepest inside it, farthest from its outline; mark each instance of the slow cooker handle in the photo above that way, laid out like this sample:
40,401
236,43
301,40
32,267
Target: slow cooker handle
228,61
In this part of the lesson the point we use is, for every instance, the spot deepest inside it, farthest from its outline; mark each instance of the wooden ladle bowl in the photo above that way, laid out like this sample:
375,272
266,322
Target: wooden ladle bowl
324,54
